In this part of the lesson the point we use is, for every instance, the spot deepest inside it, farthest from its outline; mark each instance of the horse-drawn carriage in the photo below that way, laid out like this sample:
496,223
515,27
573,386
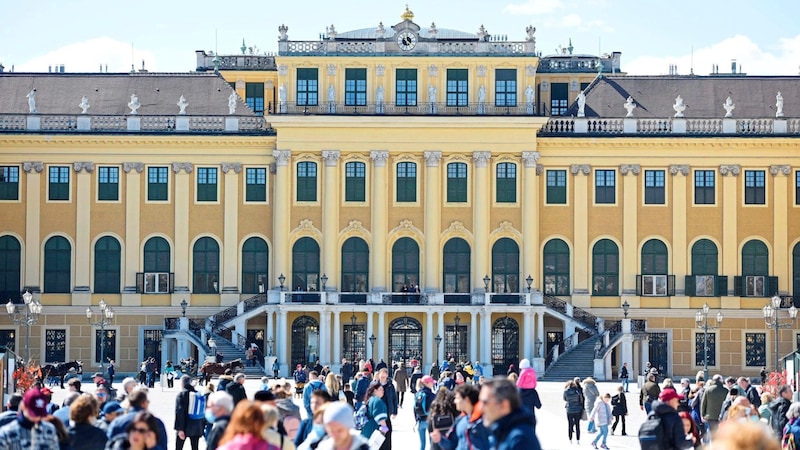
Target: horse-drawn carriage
58,371
211,368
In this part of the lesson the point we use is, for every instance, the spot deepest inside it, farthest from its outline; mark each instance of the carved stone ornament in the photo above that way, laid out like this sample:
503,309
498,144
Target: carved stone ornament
282,157
544,86
505,226
128,166
84,105
433,71
530,70
331,70
481,71
134,104
432,158
186,167
283,69
456,225
379,157
306,226
728,106
481,159
30,166
539,169
682,169
236,167
331,157
780,169
679,106
355,226
530,158
575,169
730,169
406,224
630,168
380,70
182,104
283,30
79,166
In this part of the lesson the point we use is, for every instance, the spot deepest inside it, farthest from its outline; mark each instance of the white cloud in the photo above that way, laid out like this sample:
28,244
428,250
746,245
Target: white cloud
533,7
87,56
752,59
576,22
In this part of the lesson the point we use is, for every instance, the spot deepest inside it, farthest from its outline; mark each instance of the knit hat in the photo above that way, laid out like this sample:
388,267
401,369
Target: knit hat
339,412
525,364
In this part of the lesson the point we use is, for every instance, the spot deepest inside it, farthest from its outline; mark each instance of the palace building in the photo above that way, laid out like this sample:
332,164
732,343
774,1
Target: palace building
402,192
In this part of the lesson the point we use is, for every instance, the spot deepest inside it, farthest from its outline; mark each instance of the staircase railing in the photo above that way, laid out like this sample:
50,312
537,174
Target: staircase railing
588,319
565,346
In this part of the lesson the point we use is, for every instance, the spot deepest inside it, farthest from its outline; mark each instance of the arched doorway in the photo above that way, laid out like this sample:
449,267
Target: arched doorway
305,340
405,341
505,344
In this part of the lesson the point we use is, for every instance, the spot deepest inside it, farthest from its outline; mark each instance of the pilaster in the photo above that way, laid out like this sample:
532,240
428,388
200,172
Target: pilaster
730,174
330,218
280,220
380,211
780,240
336,358
83,246
183,195
473,335
680,264
480,222
381,334
282,343
133,183
33,193
230,282
580,198
530,217
433,202
630,238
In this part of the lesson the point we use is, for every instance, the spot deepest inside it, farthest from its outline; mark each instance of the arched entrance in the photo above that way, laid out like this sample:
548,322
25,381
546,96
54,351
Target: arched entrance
305,340
405,341
505,344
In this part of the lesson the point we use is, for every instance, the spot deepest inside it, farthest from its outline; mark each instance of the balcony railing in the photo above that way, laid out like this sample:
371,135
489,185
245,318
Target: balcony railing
393,109
594,126
86,123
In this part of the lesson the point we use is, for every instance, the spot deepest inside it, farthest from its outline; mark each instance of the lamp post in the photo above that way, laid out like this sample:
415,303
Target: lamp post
701,319
772,319
457,321
529,280
625,307
26,315
372,340
324,280
353,338
184,304
438,340
281,279
106,315
486,281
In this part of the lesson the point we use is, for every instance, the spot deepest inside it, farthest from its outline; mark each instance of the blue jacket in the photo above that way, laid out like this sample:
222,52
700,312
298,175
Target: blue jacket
456,438
361,389
119,426
311,386
390,397
514,432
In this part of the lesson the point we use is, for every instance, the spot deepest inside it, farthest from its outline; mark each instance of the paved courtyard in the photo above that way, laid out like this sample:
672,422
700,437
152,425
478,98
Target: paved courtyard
551,428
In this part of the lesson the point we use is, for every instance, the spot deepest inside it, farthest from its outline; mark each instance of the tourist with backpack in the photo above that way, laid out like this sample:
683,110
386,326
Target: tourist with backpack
190,410
375,410
619,409
663,429
791,433
422,405
468,432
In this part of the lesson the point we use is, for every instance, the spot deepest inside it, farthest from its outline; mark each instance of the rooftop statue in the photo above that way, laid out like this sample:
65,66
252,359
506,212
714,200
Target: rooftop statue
379,95
381,30
32,101
134,104
182,105
283,30
432,94
729,107
482,94
779,105
282,93
581,104
630,106
679,107
232,103
530,30
84,106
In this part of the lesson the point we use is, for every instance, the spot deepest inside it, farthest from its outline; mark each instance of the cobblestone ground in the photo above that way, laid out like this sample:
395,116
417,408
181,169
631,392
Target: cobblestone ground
551,428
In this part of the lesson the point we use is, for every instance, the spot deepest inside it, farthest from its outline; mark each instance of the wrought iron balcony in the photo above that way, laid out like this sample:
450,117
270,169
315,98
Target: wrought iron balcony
393,109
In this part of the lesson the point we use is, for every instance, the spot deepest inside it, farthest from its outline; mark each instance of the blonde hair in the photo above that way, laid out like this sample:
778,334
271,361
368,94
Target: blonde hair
744,436
271,415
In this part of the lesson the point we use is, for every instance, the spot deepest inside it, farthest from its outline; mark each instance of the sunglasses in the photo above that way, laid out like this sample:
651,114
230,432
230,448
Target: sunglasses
141,430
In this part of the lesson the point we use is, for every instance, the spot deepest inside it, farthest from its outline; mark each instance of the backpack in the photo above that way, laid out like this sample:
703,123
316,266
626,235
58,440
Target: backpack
420,409
361,417
197,406
651,433
787,442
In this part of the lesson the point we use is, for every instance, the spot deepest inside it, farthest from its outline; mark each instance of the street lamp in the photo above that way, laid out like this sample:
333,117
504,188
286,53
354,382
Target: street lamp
529,280
438,340
353,338
701,319
324,280
486,281
105,317
625,307
281,279
372,340
457,321
32,311
184,304
772,319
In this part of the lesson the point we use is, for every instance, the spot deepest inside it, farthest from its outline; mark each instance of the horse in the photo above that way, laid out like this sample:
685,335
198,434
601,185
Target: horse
60,370
211,368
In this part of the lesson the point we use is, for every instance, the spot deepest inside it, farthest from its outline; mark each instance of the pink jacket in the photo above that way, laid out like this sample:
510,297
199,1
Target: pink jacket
247,442
527,379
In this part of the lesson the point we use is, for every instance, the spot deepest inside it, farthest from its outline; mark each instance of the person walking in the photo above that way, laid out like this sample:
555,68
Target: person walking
401,380
526,383
169,371
711,403
236,389
423,400
590,395
601,417
624,375
346,371
673,434
390,399
574,406
443,406
467,432
509,423
619,409
649,393
189,413
376,410
111,370
219,407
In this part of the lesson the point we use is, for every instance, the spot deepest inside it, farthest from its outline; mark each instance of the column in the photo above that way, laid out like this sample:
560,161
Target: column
680,266
473,335
33,246
530,217
580,200
370,332
527,344
270,332
380,212
230,244
183,195
429,342
630,238
486,341
324,336
540,334
282,344
336,358
780,239
433,202
281,205
83,219
381,349
440,331
330,218
480,224
730,241
132,199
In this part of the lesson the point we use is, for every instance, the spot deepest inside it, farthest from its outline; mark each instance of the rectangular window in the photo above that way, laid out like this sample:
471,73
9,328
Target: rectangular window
207,184
307,87
754,187
256,181
355,87
700,346
59,183
254,97
157,182
703,187
406,182
406,87
9,183
157,283
755,349
704,285
108,183
505,87
754,286
306,182
654,285
654,187
604,185
559,98
506,183
55,343
456,183
557,187
355,182
457,86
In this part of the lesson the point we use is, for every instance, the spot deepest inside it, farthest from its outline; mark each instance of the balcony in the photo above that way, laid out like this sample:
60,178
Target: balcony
392,109
668,127
85,123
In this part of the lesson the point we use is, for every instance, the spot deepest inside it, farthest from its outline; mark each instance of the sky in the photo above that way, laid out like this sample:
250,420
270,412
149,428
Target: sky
84,35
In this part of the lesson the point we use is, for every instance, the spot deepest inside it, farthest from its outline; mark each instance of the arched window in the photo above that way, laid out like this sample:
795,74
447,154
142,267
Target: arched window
205,258
505,266
755,280
157,278
505,344
405,265
107,265
755,258
704,282
456,264
405,341
355,265
704,258
255,260
305,341
305,265
57,265
10,263
605,268
556,268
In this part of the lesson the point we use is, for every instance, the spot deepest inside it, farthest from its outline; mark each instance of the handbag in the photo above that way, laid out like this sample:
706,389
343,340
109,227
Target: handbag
584,416
443,422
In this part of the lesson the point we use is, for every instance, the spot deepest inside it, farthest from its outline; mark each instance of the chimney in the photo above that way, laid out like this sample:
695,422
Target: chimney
733,66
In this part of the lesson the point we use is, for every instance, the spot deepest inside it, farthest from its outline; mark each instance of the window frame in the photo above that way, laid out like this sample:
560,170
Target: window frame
555,253
699,348
355,86
755,187
355,182
256,273
204,193
57,273
9,184
554,191
252,99
603,191
456,253
504,182
207,269
503,250
355,275
705,189
105,191
60,188
306,185
797,188
457,88
505,88
405,185
155,172
655,193
559,106
405,96
107,270
457,182
750,353
307,95
255,188
161,275
609,273
49,344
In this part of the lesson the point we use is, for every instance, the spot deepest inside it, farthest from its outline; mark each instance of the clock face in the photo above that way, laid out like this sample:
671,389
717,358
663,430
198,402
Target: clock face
406,40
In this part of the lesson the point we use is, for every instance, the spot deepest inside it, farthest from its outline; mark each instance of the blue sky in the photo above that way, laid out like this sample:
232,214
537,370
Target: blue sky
83,34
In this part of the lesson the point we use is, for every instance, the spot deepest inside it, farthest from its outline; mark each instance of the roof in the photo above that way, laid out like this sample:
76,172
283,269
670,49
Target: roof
753,97
424,33
109,93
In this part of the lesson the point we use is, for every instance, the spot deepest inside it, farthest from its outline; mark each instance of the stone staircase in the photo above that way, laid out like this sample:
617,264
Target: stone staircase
232,352
577,363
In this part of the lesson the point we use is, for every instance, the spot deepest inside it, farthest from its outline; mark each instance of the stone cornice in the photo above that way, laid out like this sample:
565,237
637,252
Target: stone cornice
615,142
108,140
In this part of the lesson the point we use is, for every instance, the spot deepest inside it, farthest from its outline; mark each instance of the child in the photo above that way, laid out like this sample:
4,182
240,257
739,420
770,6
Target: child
349,395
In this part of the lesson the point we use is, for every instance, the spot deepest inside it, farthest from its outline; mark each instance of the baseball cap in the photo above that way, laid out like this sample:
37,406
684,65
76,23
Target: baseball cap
669,394
46,391
97,374
428,379
111,408
35,403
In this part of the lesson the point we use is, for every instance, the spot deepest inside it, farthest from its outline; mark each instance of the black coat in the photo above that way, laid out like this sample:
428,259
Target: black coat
237,392
620,404
87,437
530,399
190,427
672,424
217,430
